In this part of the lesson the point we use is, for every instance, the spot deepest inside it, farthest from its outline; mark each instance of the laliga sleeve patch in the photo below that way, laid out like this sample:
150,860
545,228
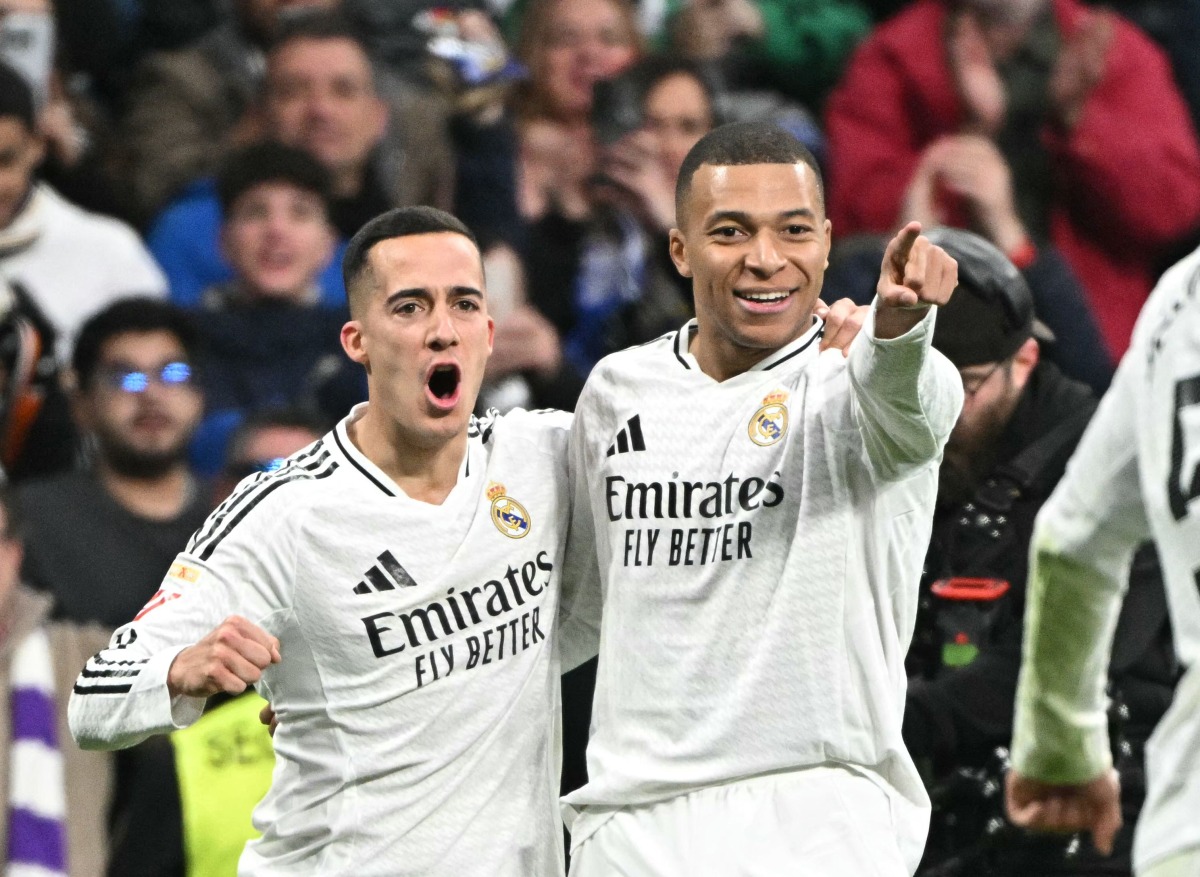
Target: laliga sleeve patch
184,572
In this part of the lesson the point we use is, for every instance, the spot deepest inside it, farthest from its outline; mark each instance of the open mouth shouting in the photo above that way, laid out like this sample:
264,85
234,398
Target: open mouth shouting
764,300
443,385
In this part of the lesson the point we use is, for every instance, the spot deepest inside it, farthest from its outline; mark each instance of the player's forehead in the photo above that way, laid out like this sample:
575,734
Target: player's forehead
436,261
760,190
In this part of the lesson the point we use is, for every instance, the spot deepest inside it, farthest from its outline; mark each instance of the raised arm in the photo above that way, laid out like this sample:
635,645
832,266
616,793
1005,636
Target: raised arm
907,395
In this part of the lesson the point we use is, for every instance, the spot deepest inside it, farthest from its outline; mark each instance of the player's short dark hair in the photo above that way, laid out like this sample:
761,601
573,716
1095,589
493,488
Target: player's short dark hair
16,97
270,162
744,143
134,314
396,223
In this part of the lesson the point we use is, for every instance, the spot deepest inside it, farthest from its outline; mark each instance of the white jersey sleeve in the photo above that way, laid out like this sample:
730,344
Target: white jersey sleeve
1083,543
907,396
238,563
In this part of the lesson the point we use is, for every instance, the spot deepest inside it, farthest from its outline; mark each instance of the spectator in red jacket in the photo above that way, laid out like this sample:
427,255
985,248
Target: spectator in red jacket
1082,107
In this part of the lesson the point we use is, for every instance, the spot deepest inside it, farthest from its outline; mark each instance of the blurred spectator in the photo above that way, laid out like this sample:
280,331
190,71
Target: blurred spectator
318,90
1081,106
27,30
974,166
71,263
1021,420
265,331
568,45
99,541
37,436
72,124
318,95
190,795
795,47
263,441
1176,27
465,56
56,795
614,285
185,107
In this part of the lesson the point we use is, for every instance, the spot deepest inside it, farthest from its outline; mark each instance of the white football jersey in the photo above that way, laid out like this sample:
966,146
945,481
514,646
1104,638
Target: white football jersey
760,546
418,693
1134,476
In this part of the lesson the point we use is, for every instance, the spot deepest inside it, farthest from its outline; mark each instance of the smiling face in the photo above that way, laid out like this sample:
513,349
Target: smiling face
755,241
422,332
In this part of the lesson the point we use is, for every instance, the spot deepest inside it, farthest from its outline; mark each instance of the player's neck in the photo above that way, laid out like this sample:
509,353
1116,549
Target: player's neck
426,472
721,360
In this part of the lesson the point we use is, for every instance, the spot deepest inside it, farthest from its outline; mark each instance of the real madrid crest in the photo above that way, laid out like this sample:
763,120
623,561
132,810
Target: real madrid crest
508,515
770,422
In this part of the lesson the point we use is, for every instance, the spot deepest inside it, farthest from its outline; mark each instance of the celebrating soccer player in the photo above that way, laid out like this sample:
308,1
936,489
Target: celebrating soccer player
761,508
392,590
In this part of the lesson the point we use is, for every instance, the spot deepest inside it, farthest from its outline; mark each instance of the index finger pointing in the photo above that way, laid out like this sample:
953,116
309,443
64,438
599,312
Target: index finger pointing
898,249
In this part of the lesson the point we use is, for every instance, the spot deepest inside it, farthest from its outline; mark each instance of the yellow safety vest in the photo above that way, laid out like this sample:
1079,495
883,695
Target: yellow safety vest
224,764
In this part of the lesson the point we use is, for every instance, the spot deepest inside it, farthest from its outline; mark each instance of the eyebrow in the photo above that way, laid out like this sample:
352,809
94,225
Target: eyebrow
743,218
424,294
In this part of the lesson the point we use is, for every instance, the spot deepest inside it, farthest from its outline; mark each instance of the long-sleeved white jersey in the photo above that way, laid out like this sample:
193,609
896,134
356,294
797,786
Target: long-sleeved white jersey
1134,476
760,546
418,688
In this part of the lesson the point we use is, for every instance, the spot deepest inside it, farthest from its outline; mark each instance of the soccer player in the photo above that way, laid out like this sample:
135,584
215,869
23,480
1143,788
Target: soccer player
761,510
392,590
1133,477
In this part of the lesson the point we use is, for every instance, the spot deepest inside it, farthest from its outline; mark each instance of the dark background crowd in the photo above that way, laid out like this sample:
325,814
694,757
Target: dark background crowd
179,178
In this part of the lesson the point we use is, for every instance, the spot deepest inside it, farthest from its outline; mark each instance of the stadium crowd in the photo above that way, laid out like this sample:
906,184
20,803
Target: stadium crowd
178,184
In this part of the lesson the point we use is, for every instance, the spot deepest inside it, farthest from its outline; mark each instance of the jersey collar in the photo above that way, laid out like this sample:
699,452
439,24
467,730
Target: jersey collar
683,343
368,469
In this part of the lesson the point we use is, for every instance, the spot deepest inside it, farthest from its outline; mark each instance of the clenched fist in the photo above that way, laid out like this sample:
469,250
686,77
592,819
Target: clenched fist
229,659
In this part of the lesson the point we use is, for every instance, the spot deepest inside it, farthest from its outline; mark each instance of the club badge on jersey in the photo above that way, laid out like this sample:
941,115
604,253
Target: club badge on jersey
770,422
508,515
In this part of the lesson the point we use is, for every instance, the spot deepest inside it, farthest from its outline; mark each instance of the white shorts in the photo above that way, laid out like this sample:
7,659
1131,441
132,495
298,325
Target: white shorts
817,822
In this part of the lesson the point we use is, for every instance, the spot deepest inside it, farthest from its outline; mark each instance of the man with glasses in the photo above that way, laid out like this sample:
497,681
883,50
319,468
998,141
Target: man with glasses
99,539
1020,421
